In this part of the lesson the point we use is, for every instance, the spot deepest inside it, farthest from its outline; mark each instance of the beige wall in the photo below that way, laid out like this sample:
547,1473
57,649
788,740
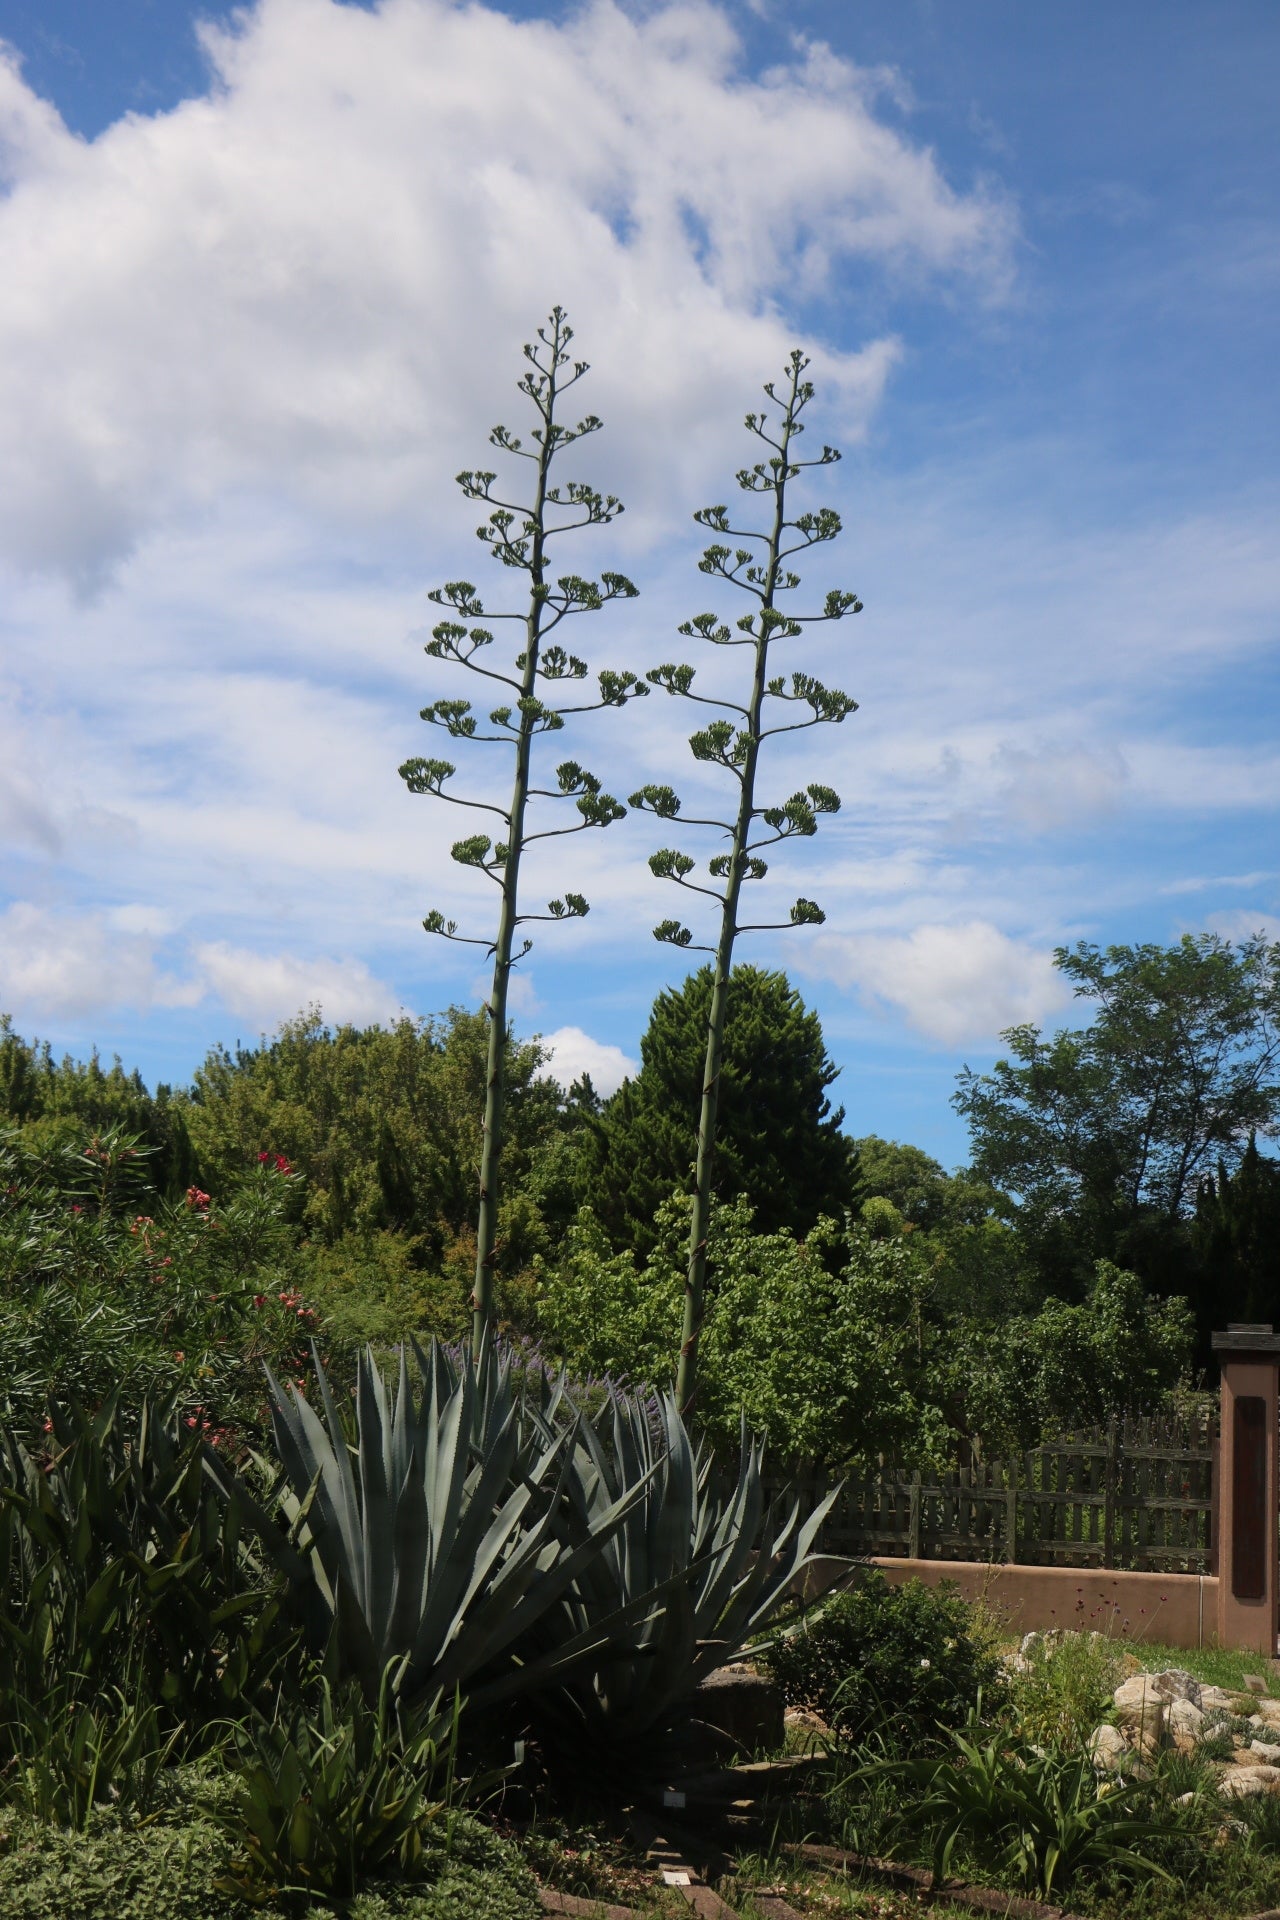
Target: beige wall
1174,1609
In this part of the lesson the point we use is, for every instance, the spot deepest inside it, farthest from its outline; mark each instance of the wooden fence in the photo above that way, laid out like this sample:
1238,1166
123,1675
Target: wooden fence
1136,1493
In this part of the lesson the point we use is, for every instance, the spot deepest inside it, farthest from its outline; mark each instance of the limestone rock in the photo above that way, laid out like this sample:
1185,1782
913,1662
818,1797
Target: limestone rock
808,1724
1175,1683
1266,1751
1107,1749
1141,1713
1237,1782
1219,1697
1267,1712
1184,1722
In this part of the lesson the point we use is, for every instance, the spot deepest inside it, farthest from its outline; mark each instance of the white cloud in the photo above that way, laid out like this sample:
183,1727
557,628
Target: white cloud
1198,883
311,281
57,963
1046,787
266,988
573,1053
1244,923
966,982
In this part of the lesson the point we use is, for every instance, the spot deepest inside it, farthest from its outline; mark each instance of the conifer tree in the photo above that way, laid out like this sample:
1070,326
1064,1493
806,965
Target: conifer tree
519,534
733,743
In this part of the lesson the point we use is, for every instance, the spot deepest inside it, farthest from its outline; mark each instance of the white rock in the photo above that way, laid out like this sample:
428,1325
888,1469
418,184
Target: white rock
1141,1713
1175,1683
1267,1711
1237,1782
1107,1749
1185,1723
1266,1751
1218,1697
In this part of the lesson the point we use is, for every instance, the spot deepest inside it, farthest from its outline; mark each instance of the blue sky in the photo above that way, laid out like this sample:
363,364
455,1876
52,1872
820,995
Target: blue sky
262,291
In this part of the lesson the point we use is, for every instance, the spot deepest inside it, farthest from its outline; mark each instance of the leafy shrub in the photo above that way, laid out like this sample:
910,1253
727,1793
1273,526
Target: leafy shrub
176,1869
1040,1818
372,1288
335,1794
899,1661
66,1757
123,1574
1066,1688
106,1288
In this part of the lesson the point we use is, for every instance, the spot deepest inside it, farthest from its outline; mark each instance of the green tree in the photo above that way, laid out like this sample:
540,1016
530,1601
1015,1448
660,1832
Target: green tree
825,1344
778,1140
962,1226
1103,1133
732,742
383,1122
519,534
59,1101
1073,1364
1236,1237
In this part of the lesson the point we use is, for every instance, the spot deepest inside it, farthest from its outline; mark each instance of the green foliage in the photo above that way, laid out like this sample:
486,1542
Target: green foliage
1104,1133
1120,1351
604,1315
383,1123
1064,1690
67,1757
124,1577
897,1663
1236,1238
60,1103
338,1791
960,1225
178,1868
777,1139
820,1344
373,1289
106,1289
1041,1818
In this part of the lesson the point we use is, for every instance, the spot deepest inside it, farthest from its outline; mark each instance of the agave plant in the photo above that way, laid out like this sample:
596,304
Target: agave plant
682,1585
438,1538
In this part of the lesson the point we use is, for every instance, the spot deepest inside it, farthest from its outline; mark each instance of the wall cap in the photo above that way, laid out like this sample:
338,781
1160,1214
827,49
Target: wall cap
1252,1338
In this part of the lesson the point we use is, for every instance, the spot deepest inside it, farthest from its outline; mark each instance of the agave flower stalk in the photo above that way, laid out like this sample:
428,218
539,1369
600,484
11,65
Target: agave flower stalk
520,534
733,743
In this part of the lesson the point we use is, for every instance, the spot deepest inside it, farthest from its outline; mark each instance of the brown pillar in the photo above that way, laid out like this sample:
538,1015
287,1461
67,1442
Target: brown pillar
1249,1489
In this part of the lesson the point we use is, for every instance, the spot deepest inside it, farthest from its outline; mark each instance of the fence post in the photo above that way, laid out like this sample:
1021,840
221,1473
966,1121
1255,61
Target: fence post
1109,1495
913,1523
1011,1510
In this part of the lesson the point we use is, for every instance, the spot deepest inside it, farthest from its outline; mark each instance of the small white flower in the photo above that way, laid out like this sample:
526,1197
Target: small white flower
925,1665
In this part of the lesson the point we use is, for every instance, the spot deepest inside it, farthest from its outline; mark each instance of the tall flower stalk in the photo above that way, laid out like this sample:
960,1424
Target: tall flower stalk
520,534
733,743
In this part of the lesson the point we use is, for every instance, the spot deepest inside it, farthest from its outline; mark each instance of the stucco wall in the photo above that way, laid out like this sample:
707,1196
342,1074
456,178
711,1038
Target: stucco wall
1174,1609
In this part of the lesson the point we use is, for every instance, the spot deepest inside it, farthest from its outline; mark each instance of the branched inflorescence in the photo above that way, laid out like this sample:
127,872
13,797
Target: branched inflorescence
520,537
757,563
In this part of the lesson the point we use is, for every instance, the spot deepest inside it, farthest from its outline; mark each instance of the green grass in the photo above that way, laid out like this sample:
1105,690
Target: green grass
1217,1666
